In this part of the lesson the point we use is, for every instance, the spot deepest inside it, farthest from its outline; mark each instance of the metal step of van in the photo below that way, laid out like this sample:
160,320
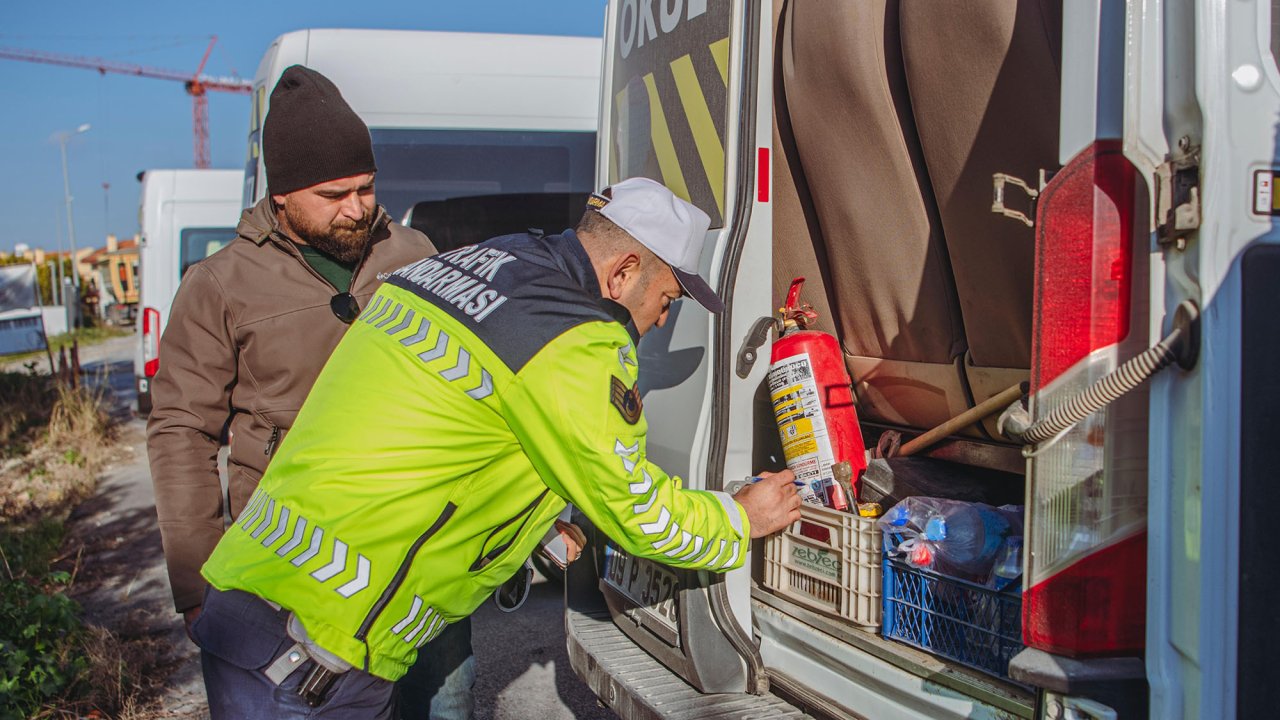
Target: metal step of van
638,687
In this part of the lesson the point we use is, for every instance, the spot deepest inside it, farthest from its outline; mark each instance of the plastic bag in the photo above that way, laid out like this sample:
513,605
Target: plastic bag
959,539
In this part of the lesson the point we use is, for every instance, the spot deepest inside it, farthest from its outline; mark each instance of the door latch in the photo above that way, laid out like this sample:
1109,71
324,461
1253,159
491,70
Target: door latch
1178,196
758,335
998,183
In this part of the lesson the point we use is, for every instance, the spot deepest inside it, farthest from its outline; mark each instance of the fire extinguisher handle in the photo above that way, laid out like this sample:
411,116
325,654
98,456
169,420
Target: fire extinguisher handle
794,312
793,296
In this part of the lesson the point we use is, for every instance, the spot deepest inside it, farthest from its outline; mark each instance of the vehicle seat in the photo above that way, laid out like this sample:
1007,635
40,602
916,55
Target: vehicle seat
455,222
984,84
889,124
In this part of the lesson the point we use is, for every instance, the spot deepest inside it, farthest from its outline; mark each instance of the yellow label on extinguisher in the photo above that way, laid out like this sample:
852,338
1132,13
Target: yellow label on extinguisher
797,408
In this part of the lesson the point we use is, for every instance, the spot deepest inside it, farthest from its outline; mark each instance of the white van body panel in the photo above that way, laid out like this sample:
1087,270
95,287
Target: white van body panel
667,401
172,201
855,678
443,80
753,273
1193,631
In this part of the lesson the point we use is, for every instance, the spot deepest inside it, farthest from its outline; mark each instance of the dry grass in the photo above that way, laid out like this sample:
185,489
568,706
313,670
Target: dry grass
58,439
122,679
26,400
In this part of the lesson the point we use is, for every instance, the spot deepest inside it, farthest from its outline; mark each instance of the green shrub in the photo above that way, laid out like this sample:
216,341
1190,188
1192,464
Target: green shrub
38,638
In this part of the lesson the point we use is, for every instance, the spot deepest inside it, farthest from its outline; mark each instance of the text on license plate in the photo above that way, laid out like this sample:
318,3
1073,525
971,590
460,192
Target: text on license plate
646,583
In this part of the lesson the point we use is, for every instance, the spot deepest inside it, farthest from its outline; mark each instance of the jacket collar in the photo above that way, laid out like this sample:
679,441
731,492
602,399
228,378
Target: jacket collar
578,263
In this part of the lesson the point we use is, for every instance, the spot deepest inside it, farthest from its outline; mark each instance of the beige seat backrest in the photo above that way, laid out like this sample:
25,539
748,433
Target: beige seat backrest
984,84
889,123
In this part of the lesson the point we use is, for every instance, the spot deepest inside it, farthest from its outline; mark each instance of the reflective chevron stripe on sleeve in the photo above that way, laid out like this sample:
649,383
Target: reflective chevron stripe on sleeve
274,527
266,519
373,309
424,327
390,316
731,508
336,565
403,324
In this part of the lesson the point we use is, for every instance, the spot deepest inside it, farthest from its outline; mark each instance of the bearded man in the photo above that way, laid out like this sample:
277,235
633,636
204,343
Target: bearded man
253,324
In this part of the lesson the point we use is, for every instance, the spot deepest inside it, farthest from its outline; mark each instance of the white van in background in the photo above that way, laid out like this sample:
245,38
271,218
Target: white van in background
475,135
185,216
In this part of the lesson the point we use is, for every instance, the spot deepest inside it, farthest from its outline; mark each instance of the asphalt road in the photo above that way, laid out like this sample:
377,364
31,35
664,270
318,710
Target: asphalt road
523,667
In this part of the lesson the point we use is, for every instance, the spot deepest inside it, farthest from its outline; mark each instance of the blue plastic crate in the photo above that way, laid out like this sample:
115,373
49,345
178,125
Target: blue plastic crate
953,618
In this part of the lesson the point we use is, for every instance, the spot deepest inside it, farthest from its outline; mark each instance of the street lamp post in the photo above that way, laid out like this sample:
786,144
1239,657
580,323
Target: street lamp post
73,313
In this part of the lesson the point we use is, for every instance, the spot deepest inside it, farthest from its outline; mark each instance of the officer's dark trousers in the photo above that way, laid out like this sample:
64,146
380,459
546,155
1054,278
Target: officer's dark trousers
240,636
439,685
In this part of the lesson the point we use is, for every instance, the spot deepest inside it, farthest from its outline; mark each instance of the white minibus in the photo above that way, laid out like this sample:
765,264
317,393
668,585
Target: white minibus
185,216
475,134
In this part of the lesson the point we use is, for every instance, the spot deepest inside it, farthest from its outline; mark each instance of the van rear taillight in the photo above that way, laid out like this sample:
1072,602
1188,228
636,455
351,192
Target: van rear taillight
1084,252
150,342
1087,498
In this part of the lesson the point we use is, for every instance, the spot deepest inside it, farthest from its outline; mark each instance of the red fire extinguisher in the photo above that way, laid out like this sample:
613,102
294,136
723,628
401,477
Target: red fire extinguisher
812,398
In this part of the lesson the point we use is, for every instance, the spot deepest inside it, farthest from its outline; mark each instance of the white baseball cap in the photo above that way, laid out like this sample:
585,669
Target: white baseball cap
669,226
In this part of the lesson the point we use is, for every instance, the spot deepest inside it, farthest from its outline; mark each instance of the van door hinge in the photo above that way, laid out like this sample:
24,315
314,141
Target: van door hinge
1178,196
998,183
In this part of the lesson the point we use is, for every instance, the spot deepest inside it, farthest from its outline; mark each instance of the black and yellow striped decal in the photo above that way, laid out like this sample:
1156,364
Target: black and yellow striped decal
670,91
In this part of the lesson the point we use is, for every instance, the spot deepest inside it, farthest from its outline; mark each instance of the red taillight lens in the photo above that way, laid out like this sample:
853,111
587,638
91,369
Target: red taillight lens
150,342
1074,612
1084,261
1087,489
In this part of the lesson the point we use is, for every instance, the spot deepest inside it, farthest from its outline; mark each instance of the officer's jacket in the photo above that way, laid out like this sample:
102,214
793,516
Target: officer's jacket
479,391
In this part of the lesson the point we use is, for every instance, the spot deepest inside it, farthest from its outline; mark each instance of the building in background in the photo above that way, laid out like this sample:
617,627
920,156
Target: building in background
110,280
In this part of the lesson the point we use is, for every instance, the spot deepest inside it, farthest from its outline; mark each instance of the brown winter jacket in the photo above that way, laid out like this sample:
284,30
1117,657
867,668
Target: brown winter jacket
249,331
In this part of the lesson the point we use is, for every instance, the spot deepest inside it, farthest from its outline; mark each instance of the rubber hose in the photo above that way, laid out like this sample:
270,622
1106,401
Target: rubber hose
1115,384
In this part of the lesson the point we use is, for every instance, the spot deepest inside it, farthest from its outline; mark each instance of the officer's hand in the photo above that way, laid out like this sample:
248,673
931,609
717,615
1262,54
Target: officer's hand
771,504
574,539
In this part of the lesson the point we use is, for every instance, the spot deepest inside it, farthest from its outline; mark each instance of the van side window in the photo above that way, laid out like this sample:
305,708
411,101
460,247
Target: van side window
199,243
463,186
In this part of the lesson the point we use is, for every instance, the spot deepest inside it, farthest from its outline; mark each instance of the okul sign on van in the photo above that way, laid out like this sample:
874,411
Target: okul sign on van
636,19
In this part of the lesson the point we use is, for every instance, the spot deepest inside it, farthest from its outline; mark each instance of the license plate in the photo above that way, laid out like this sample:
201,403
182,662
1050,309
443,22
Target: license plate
646,583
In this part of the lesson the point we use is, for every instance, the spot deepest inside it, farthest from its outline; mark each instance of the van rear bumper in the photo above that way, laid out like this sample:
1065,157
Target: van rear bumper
1119,684
637,687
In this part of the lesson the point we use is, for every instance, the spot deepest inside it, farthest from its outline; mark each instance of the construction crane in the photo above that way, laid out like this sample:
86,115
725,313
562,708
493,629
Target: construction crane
197,84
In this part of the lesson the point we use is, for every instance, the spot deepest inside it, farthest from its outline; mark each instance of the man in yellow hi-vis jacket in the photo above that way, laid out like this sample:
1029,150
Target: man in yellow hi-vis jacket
479,392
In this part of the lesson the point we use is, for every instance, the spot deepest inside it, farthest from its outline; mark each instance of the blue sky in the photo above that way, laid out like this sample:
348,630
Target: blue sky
140,123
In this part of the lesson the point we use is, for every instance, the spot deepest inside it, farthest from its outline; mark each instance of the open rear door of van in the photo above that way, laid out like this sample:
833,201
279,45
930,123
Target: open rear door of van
1214,455
682,103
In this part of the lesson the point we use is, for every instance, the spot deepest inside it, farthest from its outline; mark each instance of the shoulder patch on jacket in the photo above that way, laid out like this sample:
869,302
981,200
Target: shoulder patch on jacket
627,400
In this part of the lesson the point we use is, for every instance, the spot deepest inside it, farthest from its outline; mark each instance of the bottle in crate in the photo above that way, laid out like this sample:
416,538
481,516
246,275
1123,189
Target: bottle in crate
955,538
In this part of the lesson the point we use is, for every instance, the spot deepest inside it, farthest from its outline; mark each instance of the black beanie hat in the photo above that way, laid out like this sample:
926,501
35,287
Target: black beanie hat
311,135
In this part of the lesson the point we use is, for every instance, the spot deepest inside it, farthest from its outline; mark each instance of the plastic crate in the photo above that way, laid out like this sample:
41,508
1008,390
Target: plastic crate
953,618
829,561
